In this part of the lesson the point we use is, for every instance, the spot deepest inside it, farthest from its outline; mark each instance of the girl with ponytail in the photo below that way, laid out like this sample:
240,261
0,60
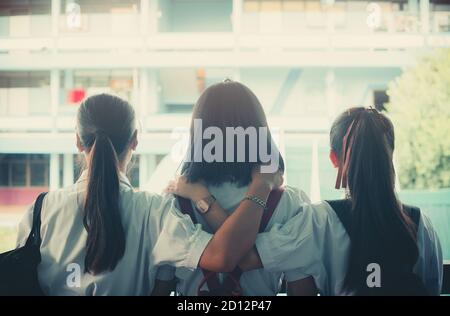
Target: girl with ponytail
99,236
368,243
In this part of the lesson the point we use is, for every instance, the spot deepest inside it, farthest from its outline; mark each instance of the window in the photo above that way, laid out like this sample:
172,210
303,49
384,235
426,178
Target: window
195,16
18,173
440,16
76,85
25,18
380,98
4,172
99,17
24,92
180,88
38,171
24,170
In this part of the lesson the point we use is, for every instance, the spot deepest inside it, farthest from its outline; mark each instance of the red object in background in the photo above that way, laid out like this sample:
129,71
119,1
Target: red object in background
75,95
19,195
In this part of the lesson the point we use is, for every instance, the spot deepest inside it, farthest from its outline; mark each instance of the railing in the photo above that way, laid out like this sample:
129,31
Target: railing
446,281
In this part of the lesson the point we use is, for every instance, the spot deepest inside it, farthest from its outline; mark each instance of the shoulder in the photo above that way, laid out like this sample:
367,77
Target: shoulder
289,205
426,234
59,198
321,210
294,195
323,217
155,205
292,198
135,198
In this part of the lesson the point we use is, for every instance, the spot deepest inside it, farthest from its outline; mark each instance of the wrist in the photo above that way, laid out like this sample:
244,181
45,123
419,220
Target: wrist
259,189
261,184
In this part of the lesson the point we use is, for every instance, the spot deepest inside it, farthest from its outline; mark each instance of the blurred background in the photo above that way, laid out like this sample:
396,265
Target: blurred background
305,60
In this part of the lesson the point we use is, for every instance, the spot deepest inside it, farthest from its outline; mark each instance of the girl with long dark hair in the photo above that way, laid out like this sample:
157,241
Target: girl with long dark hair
368,243
222,107
101,237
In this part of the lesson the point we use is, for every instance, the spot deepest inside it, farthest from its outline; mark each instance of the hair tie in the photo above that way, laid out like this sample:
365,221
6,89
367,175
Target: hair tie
344,159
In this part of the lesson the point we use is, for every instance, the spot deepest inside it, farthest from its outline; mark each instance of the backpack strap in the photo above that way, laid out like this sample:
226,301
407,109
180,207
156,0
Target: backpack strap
231,283
342,208
186,208
414,214
272,203
34,237
209,277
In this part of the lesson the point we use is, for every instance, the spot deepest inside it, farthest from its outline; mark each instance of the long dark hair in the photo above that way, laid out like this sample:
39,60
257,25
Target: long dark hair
381,232
106,125
222,105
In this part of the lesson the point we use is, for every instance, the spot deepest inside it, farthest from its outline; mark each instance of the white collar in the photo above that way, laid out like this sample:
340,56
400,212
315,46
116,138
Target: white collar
122,178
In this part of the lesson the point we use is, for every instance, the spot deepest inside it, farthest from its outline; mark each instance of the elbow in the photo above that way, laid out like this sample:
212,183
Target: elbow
224,264
220,261
228,265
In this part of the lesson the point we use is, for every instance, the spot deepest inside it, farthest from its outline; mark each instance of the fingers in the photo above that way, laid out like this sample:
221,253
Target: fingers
171,187
279,179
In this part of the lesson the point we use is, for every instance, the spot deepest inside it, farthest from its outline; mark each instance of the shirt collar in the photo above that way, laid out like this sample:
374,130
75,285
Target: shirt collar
228,194
122,178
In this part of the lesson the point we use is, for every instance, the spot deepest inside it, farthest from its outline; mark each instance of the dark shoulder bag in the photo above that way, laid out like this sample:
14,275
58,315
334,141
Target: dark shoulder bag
18,267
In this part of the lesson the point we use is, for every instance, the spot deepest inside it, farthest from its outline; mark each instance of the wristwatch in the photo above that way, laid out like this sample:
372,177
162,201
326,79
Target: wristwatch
204,205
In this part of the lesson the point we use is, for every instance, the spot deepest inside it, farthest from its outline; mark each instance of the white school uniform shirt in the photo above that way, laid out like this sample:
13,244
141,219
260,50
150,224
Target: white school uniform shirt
322,249
256,282
156,233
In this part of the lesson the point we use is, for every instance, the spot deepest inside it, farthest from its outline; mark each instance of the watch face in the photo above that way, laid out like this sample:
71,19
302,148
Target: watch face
203,206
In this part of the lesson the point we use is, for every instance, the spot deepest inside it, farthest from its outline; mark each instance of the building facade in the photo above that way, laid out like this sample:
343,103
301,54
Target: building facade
305,60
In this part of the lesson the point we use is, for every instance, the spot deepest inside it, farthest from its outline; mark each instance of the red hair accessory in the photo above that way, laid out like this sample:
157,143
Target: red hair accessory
344,159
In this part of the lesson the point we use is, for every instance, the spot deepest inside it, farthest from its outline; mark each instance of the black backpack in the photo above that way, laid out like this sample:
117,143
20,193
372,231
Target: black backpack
18,267
404,283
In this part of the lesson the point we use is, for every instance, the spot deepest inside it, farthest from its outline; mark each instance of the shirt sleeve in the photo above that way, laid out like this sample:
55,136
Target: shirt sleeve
295,275
430,263
180,242
24,227
279,247
165,273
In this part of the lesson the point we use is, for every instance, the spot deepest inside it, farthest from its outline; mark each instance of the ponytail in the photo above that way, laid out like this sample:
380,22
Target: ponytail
105,125
105,244
381,232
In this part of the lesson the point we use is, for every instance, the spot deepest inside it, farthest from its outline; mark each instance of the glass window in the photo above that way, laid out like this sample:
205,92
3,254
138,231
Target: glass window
180,88
39,169
25,18
100,17
195,16
18,173
76,85
38,174
380,98
4,172
24,92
